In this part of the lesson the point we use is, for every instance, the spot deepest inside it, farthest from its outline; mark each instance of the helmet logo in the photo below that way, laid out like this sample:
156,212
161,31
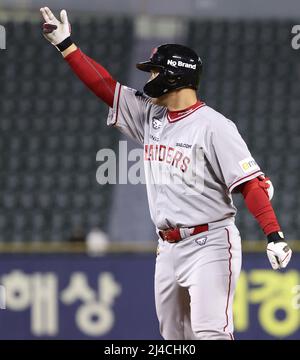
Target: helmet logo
172,63
180,63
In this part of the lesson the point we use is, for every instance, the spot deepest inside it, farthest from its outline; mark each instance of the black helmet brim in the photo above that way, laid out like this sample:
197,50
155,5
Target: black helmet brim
148,66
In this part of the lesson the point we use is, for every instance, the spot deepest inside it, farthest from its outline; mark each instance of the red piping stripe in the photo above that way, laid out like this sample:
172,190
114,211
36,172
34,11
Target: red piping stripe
119,92
245,177
231,336
229,280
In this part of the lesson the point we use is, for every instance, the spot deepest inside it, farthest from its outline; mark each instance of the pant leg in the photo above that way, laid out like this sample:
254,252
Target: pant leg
210,272
212,295
171,300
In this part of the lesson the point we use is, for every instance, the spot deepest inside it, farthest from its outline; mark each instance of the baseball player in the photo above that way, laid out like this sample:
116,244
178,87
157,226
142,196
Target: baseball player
194,159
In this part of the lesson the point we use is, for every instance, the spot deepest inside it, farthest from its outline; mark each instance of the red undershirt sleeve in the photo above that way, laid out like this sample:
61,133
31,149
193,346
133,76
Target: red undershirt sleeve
93,75
259,205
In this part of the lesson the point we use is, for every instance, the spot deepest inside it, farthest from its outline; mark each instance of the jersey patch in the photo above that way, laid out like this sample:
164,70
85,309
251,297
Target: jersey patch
154,138
156,123
188,146
248,165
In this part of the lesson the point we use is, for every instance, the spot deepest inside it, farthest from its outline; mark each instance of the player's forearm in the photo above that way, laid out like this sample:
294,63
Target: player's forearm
92,74
260,207
263,213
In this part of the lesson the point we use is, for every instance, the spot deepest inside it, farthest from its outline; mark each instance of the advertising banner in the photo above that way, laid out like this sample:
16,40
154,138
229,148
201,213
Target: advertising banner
112,297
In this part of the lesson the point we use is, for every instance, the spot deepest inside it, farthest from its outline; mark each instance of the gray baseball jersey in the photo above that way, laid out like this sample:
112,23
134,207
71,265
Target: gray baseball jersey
192,162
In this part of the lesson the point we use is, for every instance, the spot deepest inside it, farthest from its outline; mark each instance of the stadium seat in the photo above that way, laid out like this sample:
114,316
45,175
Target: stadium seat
51,129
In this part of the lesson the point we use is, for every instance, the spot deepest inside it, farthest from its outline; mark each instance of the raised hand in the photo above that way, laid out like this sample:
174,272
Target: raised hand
54,30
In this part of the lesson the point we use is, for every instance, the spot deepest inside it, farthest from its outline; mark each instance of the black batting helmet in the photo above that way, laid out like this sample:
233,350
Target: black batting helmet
178,67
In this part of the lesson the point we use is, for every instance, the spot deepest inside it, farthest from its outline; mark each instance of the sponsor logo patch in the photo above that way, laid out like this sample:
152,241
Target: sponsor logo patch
248,165
188,146
154,138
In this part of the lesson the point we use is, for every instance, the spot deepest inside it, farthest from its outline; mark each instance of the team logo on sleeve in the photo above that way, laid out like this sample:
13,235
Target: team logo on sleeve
248,165
156,123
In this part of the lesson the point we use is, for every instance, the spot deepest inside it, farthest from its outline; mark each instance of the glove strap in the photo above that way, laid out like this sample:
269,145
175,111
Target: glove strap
275,237
64,44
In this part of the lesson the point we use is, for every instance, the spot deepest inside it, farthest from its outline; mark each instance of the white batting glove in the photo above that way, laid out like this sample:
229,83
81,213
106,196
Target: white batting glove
278,251
54,30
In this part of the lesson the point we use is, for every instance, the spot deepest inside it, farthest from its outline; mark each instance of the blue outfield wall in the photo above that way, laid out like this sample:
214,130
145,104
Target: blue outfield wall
112,297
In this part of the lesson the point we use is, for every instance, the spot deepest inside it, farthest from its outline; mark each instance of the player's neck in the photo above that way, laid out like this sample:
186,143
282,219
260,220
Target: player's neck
180,99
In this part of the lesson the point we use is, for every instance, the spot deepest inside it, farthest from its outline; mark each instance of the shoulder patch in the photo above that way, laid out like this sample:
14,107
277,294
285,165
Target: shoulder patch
248,165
